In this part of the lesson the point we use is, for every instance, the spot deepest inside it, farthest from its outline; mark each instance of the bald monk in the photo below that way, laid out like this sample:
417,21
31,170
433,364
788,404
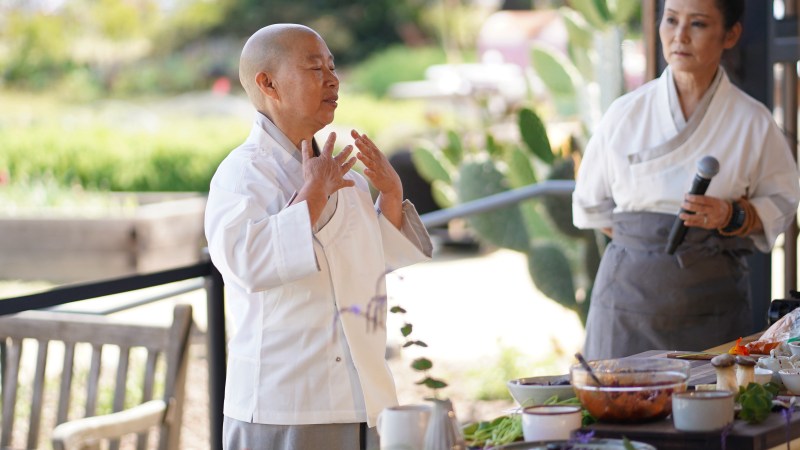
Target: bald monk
302,249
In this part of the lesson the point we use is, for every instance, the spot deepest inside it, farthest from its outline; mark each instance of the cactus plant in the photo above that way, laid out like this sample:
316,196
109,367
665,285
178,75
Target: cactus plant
582,85
461,174
504,227
592,77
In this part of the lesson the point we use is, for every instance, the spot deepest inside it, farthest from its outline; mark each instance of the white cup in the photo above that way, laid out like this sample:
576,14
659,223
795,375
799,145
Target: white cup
403,427
775,364
550,422
761,376
702,410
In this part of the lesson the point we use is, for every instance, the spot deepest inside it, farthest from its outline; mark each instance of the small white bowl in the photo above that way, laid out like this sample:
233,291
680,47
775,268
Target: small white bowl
702,410
762,375
791,379
550,422
794,347
536,390
775,364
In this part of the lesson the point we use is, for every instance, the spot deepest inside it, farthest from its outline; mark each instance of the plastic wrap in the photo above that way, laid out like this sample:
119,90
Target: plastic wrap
777,335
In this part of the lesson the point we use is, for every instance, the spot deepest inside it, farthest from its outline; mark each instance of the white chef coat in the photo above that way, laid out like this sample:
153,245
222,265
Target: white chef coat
626,167
293,358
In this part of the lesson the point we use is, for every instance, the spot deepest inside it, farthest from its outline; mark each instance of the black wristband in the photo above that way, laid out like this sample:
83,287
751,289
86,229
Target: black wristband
737,218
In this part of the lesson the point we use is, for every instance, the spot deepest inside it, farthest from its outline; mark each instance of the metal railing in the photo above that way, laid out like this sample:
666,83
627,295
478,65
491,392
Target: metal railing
213,284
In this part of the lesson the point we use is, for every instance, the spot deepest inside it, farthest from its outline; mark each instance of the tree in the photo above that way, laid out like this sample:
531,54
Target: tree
351,29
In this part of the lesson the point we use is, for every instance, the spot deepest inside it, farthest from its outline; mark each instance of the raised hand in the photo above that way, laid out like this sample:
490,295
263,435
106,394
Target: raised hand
326,172
323,175
378,170
383,176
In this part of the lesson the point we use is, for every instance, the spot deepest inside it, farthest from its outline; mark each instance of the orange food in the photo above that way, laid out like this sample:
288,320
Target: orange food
761,347
739,349
627,398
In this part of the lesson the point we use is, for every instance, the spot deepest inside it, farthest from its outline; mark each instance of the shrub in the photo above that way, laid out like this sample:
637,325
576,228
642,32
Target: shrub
397,63
180,158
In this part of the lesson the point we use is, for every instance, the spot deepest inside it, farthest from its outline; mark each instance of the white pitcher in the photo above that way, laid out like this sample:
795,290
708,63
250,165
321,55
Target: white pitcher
403,427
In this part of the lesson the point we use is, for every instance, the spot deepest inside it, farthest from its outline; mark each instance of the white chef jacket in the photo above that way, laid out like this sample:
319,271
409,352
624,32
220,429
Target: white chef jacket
643,157
293,358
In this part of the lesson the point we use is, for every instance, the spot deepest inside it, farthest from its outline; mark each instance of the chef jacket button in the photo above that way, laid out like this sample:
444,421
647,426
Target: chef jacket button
338,358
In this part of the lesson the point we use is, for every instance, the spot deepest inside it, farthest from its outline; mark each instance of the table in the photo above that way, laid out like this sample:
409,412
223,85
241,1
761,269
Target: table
743,436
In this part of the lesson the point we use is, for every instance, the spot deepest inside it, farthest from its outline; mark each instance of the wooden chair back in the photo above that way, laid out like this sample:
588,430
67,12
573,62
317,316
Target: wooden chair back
156,355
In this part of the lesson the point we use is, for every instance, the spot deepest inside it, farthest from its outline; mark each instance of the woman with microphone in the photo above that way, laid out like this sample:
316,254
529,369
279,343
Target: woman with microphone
635,175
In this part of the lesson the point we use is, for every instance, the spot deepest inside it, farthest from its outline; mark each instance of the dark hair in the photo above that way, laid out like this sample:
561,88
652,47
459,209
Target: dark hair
732,11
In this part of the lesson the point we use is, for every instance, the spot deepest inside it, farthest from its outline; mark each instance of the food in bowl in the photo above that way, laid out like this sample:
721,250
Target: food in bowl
534,391
631,390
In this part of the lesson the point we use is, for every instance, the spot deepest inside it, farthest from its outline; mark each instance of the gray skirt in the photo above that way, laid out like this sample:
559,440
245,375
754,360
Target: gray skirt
238,435
645,299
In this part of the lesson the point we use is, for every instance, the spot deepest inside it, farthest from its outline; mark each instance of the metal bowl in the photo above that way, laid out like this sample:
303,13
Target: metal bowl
632,390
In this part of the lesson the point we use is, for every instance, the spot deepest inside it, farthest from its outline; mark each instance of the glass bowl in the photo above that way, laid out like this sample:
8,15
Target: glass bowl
633,390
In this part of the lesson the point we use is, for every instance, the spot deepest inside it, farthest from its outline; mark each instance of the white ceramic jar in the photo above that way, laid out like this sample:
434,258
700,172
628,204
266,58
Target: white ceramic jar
702,410
550,422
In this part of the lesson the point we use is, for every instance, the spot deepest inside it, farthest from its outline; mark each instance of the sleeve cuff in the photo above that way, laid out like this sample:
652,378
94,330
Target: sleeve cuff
773,221
408,245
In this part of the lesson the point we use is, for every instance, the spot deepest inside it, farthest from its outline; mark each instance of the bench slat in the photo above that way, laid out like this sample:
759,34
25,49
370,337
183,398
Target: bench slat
13,354
66,383
93,381
38,394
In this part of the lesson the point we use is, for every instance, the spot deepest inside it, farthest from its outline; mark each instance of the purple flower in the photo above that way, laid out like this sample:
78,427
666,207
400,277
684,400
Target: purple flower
724,436
582,438
787,415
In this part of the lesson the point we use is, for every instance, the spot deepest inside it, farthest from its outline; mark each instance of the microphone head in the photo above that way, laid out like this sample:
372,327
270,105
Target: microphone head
708,167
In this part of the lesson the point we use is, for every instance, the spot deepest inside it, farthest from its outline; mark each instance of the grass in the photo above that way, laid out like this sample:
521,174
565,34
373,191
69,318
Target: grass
155,144
488,382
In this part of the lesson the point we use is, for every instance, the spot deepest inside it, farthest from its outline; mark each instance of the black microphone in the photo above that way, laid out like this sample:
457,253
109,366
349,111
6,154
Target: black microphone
706,169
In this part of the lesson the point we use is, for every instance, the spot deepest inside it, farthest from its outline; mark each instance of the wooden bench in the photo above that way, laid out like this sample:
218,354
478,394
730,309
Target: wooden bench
157,355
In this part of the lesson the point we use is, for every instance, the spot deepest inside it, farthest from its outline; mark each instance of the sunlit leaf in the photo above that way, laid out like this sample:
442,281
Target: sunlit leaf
434,383
623,10
578,29
590,11
431,164
421,364
534,134
443,194
454,151
520,170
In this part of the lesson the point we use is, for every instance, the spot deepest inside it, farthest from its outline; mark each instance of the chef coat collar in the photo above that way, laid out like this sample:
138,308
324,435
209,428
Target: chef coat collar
275,133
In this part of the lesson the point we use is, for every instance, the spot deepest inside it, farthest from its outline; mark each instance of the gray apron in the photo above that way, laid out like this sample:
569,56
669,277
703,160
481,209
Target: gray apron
645,299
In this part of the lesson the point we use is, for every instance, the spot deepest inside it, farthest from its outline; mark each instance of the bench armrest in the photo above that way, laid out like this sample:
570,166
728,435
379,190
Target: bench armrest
73,434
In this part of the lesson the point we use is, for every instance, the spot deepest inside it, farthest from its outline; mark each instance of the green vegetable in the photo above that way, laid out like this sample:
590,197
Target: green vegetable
756,401
500,431
626,443
586,419
507,429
